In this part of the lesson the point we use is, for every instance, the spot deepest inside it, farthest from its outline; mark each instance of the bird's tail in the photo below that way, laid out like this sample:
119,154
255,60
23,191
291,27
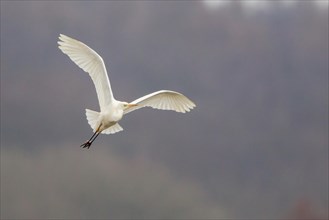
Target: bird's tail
93,118
93,121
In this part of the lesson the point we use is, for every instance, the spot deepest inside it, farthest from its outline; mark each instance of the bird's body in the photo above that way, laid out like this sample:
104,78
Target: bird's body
112,110
110,116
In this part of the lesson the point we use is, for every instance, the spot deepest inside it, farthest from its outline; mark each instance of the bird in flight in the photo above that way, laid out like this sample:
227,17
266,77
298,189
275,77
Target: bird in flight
112,110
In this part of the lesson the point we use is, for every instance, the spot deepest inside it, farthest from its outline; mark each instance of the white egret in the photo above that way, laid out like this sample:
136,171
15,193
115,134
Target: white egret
112,110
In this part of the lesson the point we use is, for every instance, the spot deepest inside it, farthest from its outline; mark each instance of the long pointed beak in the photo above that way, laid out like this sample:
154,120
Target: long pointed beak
132,105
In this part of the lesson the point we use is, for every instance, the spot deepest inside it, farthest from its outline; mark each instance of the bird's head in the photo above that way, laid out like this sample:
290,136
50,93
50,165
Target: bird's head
126,105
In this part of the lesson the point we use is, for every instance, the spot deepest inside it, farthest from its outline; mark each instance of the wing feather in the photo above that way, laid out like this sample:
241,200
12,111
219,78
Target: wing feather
113,129
88,60
165,100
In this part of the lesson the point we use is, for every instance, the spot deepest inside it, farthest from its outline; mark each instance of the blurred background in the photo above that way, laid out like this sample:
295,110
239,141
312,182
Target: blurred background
256,146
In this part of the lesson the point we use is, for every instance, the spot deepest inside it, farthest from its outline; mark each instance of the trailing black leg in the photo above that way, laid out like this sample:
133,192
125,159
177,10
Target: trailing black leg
88,143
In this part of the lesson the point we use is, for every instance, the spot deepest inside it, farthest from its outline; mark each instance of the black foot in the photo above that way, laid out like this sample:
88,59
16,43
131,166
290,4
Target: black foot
86,145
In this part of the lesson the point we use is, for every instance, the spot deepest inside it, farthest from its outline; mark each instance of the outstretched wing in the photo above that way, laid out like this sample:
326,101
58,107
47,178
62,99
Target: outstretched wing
88,60
165,100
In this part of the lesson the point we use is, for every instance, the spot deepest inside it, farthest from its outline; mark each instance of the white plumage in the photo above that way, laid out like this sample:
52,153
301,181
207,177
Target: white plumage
88,60
112,110
164,100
